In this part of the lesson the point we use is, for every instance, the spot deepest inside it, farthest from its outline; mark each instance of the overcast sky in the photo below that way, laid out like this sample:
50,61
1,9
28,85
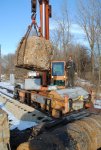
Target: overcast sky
15,16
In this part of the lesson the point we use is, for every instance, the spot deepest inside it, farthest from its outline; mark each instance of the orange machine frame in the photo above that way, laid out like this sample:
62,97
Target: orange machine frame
45,14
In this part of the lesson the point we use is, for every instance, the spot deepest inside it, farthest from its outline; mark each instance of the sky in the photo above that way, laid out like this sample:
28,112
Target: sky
15,16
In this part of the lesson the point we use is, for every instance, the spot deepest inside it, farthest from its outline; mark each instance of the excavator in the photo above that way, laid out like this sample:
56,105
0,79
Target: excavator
80,134
56,102
56,75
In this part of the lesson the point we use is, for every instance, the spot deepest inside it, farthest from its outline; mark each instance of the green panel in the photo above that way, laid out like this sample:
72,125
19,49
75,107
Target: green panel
59,82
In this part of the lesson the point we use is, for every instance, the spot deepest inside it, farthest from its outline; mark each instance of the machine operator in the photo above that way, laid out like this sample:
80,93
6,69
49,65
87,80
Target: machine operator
71,69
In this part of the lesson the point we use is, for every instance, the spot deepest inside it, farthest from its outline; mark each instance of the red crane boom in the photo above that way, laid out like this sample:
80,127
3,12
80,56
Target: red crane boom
45,14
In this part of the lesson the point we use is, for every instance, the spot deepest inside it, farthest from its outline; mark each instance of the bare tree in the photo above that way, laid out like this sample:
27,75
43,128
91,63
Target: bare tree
98,57
98,41
87,12
62,36
8,63
82,59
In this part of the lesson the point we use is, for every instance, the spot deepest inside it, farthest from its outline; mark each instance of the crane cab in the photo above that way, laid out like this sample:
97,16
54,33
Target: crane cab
58,74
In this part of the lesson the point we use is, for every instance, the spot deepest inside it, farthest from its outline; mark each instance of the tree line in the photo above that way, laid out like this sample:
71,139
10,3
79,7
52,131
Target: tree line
88,18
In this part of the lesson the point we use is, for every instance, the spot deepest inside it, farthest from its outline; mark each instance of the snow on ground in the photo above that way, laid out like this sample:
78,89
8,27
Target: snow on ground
15,123
84,83
97,104
73,92
7,85
6,92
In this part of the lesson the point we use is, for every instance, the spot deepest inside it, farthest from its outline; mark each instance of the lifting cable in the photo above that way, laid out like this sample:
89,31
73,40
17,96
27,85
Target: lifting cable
34,23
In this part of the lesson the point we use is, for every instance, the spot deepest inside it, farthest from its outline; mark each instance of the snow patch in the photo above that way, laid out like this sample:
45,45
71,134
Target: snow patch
73,92
15,123
97,104
6,92
7,85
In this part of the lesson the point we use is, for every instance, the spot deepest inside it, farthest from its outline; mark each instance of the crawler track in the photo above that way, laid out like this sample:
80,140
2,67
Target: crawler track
22,111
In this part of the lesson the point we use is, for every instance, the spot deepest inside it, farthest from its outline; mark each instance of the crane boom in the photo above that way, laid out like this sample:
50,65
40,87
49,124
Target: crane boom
45,14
